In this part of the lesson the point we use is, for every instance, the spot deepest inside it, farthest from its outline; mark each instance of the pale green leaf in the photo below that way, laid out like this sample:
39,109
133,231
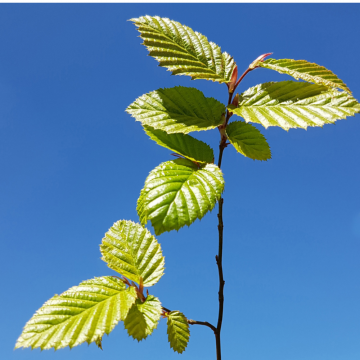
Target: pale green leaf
132,251
291,104
182,144
248,140
184,51
178,192
302,69
82,313
177,110
178,331
143,317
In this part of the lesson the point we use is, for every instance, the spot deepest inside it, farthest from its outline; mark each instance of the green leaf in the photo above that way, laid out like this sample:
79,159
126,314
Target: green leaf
182,144
132,251
183,51
178,331
143,317
177,110
82,313
302,69
178,192
291,104
248,140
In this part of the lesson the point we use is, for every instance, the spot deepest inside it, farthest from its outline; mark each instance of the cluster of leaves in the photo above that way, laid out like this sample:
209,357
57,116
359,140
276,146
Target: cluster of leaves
178,192
86,312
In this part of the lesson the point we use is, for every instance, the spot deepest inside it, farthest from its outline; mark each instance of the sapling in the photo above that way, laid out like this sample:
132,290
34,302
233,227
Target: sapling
179,191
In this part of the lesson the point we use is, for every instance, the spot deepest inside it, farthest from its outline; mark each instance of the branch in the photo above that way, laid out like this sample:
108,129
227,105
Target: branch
221,276
222,146
242,76
194,322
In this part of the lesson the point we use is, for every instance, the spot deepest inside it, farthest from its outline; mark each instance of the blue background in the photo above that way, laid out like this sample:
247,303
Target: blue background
73,162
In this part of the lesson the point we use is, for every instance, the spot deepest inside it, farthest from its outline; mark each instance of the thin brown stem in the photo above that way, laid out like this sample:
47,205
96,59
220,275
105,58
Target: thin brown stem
220,155
221,281
218,257
241,77
230,97
205,323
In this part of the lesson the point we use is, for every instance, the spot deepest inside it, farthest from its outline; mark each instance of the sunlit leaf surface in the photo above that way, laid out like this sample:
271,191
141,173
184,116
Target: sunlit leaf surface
82,313
248,140
178,192
302,69
178,331
177,110
182,144
143,317
184,51
291,104
132,251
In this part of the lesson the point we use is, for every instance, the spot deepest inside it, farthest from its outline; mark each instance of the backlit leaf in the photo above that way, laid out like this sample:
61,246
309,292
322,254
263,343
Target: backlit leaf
248,140
132,251
82,313
302,69
178,192
143,317
184,51
177,110
291,104
178,331
182,144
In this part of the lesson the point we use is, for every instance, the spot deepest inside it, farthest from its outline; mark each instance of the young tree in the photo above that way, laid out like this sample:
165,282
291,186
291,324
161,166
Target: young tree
178,192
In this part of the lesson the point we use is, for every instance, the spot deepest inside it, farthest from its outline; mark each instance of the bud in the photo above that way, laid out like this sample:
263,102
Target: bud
256,62
235,101
231,84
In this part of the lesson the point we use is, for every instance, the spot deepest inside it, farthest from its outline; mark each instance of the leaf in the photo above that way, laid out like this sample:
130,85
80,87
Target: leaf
182,144
178,192
183,51
291,104
82,313
143,317
178,331
248,140
302,69
177,110
132,251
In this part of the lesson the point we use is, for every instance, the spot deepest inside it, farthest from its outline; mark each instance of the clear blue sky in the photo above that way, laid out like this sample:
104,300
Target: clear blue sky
73,162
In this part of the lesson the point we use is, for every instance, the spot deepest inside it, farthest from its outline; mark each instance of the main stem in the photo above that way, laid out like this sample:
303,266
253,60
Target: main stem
218,257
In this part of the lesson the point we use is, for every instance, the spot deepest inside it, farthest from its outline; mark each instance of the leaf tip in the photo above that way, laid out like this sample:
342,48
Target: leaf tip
258,60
